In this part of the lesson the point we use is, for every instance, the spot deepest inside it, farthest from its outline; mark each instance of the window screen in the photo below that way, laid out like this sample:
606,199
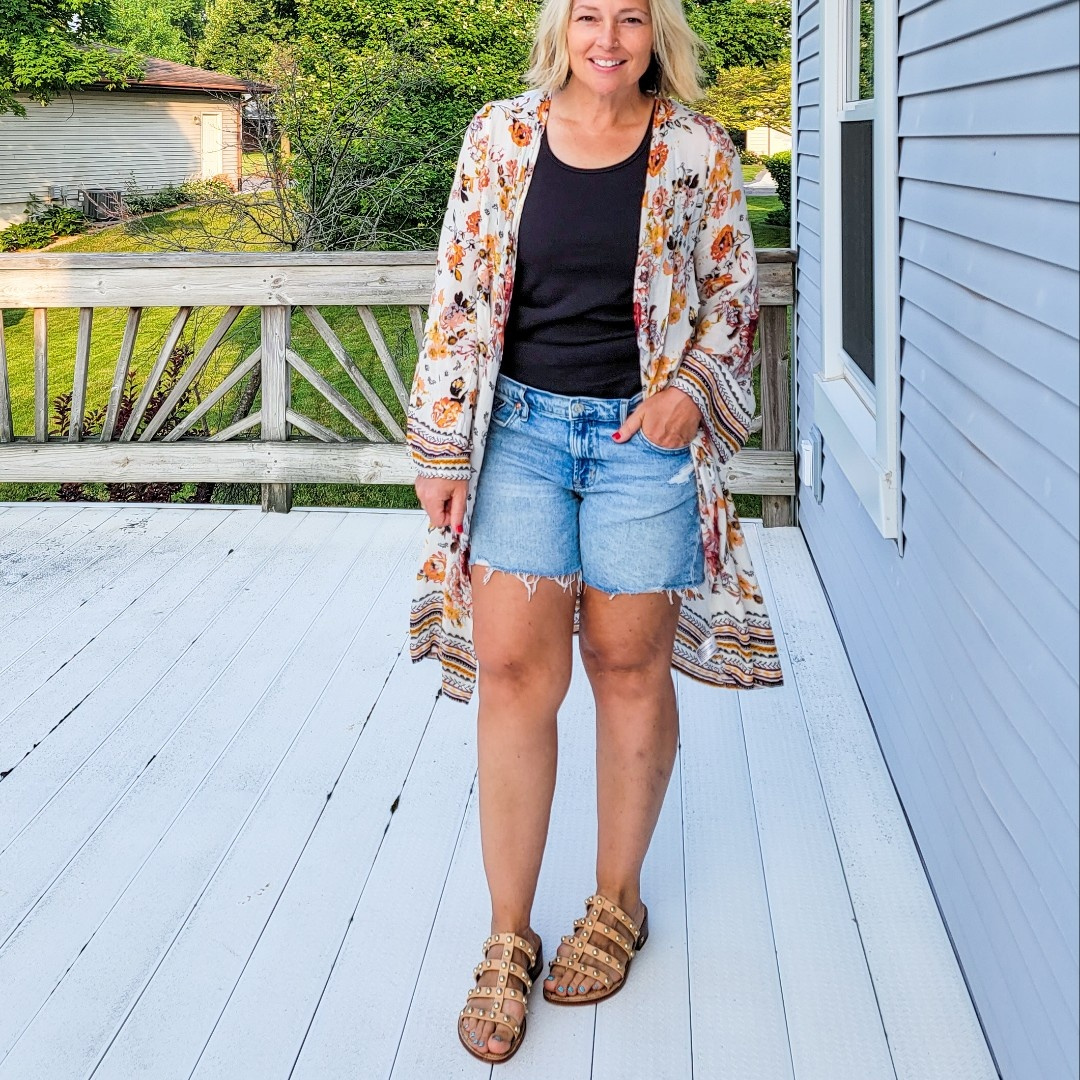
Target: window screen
857,242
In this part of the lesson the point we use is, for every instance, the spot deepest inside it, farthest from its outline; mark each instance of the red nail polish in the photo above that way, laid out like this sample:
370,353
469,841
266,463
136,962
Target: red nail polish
616,436
459,528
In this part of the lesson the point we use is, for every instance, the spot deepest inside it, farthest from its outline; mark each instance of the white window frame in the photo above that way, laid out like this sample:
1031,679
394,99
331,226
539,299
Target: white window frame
860,423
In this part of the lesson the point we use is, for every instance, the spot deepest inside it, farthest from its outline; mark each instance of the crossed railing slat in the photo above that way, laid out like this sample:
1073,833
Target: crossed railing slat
175,433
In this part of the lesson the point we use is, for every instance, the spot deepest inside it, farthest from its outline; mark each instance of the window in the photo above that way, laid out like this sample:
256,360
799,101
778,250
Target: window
856,396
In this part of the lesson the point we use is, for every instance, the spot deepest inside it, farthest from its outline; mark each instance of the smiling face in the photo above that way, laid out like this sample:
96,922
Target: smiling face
610,43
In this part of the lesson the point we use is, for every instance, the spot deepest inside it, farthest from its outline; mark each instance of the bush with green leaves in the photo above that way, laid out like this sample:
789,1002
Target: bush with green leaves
137,201
779,166
44,223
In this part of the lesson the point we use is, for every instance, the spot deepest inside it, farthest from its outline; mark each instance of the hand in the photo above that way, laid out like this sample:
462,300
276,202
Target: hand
444,501
669,418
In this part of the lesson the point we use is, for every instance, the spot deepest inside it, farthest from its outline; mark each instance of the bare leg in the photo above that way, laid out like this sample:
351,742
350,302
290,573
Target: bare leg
523,646
626,644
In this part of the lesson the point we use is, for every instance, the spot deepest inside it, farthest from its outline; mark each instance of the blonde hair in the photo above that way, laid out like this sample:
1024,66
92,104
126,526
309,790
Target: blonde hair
674,68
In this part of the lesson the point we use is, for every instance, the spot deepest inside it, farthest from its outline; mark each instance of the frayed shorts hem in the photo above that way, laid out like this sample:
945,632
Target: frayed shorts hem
575,581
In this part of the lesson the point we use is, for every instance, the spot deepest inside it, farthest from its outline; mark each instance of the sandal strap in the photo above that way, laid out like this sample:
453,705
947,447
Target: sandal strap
505,968
511,941
598,900
495,994
613,935
586,969
497,1018
589,953
486,1002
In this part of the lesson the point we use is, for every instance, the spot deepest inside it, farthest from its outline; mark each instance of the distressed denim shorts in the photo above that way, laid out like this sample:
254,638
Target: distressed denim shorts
559,498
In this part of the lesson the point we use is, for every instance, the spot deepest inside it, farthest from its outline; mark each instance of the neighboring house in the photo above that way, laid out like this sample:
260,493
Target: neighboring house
174,123
936,327
767,140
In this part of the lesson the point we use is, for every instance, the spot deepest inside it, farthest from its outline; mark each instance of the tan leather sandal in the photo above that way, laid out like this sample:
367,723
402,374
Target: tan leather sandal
586,946
493,996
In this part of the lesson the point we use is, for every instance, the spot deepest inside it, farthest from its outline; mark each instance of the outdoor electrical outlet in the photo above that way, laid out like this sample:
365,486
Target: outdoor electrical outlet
810,460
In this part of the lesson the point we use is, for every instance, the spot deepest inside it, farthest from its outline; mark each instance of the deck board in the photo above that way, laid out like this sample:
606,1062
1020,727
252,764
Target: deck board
739,1027
932,1030
207,716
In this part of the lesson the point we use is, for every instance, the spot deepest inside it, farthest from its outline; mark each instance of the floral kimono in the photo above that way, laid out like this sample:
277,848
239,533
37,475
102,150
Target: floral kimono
695,309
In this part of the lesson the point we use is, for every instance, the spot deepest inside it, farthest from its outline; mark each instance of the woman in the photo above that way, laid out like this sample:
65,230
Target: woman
583,381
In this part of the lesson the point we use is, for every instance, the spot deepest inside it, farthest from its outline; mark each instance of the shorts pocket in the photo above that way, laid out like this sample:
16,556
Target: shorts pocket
650,445
505,412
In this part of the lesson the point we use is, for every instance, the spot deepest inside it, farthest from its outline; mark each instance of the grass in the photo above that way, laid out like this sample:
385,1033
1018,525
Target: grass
766,236
253,163
186,225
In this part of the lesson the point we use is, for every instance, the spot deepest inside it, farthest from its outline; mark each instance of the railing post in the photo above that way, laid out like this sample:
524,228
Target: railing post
41,375
275,395
775,402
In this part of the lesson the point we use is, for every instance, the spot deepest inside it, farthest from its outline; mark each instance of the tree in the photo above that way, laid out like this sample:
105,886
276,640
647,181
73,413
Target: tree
48,47
445,58
740,33
343,178
745,97
240,36
169,29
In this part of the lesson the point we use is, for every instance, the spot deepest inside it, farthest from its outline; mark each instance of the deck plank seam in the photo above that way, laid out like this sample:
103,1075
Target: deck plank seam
781,642
319,816
74,512
225,599
63,618
765,879
777,618
63,550
168,739
438,905
686,903
259,795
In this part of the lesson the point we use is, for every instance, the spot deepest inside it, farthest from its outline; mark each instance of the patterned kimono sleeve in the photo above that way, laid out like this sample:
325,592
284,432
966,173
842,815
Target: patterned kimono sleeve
715,369
443,397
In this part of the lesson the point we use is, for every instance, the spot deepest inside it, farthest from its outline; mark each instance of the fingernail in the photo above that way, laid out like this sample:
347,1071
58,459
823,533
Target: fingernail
617,437
459,528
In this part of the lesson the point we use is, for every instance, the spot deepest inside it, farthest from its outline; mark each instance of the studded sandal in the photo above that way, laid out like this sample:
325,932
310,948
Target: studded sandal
486,1002
589,944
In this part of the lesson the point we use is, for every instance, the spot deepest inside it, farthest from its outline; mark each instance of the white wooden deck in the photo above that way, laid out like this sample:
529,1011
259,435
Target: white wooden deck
238,831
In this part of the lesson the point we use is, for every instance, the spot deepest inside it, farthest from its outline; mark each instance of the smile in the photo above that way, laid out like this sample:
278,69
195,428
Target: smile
607,65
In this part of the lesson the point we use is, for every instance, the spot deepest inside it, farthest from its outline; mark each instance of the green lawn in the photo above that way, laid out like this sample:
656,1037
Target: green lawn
766,236
108,328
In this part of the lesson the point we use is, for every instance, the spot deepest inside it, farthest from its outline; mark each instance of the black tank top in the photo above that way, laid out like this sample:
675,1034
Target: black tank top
571,324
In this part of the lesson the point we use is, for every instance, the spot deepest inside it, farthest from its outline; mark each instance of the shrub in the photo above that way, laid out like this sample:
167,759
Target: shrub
140,202
191,190
779,166
43,224
94,421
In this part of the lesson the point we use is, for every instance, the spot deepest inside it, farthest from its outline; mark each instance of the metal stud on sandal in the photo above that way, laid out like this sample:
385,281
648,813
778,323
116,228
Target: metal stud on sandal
588,945
486,1002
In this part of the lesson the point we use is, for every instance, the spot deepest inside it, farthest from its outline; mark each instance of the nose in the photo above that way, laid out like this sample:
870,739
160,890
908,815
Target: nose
608,38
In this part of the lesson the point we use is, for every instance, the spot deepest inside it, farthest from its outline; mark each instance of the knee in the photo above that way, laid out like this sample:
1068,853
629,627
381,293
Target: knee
512,672
628,672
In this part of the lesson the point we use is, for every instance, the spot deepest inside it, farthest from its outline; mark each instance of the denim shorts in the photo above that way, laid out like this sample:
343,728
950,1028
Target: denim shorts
559,498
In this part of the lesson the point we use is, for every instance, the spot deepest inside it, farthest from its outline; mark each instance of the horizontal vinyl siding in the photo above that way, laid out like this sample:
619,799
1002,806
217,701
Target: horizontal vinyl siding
806,182
966,648
103,139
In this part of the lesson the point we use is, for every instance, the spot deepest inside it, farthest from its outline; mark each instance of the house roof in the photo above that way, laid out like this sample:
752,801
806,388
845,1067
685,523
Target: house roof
169,75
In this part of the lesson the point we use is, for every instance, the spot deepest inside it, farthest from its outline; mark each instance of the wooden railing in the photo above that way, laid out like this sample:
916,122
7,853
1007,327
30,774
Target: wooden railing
330,370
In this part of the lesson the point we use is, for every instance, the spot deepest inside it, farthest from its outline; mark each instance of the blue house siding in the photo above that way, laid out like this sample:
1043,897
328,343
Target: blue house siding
966,647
